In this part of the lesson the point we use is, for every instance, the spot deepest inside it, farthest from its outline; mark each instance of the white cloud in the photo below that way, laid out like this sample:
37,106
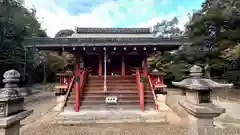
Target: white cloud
107,14
56,18
181,14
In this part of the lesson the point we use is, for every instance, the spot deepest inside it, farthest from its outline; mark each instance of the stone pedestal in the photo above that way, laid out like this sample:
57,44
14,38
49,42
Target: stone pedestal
11,105
201,117
172,98
204,126
60,103
11,125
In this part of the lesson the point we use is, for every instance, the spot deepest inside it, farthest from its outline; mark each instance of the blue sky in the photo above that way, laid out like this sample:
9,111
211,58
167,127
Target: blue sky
67,14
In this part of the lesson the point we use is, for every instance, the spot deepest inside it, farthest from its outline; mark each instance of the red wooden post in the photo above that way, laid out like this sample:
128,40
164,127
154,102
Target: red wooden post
123,66
77,88
99,65
156,108
142,96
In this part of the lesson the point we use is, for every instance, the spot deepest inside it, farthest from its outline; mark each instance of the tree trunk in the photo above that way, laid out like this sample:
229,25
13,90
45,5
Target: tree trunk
45,74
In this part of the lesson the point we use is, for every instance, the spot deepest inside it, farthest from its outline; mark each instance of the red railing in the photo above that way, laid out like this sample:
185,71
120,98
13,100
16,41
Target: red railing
68,90
153,92
79,86
140,86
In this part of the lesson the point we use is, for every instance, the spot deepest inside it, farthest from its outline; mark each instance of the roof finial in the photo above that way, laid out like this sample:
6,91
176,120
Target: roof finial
195,71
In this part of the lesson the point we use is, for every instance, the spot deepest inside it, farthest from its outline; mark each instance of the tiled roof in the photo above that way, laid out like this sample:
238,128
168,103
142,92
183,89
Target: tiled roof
114,30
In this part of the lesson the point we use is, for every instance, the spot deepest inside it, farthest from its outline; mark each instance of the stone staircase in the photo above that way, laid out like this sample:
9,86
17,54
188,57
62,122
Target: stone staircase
125,88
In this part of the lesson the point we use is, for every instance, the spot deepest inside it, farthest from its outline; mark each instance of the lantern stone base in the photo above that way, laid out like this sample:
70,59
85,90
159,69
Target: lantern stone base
201,117
11,125
172,98
13,129
60,103
200,126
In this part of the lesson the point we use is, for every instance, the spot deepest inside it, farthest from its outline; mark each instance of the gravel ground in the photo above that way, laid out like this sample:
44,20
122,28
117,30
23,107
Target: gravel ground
40,122
227,94
41,102
117,129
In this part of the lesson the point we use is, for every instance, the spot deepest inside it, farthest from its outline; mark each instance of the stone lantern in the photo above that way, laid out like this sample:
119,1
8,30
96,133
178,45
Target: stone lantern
157,80
198,103
11,104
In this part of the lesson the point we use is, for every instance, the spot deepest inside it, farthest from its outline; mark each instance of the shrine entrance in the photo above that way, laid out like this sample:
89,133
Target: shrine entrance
113,64
132,61
91,63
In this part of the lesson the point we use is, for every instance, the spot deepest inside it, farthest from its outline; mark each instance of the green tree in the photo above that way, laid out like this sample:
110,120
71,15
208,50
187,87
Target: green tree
167,28
16,23
168,62
213,29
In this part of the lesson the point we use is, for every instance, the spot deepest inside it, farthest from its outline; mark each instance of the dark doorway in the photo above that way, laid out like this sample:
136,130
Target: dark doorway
114,64
133,61
91,63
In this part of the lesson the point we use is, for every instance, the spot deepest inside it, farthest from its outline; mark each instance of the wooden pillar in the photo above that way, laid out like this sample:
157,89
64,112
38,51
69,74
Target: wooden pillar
99,65
123,66
145,66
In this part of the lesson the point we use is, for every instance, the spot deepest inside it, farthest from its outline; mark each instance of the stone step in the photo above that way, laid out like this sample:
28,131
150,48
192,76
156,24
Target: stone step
120,101
104,106
110,84
107,107
112,77
112,92
110,89
111,81
94,96
110,116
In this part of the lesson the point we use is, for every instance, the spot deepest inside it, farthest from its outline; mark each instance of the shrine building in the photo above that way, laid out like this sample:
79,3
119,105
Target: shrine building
111,64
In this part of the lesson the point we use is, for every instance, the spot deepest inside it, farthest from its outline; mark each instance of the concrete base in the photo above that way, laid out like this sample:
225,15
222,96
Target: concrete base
11,125
109,116
170,116
172,98
162,107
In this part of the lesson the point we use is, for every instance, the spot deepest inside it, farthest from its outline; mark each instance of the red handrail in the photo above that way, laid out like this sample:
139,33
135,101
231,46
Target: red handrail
140,87
68,90
82,74
153,92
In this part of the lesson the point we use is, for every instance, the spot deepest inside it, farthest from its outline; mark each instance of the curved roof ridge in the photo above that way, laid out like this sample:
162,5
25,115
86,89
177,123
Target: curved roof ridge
113,30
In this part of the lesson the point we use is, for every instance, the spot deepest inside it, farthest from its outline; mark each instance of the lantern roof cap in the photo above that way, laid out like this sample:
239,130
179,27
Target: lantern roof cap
195,82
